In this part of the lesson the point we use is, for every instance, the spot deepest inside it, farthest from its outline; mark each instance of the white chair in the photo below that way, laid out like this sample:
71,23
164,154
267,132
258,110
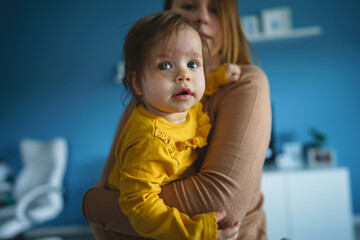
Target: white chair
37,191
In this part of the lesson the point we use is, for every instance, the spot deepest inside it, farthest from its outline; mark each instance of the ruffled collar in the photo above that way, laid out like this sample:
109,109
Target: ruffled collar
199,140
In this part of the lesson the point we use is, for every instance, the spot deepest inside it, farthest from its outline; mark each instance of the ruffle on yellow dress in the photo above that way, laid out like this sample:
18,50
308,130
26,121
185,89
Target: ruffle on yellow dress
199,140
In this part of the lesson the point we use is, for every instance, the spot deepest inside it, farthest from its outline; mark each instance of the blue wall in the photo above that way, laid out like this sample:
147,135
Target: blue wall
58,61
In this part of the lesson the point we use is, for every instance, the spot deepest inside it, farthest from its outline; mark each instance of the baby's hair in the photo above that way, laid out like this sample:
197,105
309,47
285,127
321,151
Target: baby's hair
143,36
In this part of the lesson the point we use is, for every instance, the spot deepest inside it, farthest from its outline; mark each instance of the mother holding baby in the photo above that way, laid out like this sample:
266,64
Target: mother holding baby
230,168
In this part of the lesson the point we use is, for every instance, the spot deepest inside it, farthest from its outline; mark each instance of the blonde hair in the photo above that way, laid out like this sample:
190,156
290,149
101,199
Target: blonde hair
143,36
236,47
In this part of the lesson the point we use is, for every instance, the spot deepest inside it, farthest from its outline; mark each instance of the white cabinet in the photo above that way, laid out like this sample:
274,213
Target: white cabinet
308,204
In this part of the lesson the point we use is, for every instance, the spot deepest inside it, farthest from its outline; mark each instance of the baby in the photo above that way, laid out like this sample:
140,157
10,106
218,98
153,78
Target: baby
165,70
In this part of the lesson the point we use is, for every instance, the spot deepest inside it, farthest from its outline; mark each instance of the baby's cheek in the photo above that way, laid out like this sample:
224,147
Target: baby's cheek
201,91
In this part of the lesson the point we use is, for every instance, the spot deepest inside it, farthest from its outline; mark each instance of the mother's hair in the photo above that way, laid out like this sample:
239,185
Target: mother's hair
236,46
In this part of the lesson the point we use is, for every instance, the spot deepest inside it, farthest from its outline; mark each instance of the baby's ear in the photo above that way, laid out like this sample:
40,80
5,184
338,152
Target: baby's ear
135,83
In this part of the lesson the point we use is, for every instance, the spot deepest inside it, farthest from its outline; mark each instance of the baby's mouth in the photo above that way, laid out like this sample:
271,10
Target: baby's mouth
183,94
183,91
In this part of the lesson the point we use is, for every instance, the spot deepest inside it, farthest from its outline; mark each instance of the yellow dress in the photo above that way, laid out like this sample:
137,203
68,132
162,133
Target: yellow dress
152,152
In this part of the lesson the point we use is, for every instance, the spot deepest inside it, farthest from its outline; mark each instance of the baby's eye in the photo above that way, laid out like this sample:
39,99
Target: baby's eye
164,66
192,65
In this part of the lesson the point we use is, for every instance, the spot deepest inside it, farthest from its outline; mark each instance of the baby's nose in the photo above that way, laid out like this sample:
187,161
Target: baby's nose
182,75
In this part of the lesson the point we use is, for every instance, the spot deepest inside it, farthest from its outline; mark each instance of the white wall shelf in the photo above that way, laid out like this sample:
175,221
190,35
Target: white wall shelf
294,33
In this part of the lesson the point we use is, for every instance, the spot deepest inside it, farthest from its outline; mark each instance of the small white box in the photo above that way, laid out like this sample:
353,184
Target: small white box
276,20
250,24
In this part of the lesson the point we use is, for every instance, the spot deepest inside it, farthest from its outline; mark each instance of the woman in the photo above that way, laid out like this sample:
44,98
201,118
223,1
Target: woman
231,167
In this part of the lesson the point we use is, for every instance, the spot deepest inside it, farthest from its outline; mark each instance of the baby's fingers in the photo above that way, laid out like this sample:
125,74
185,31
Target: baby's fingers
233,72
234,77
230,233
220,215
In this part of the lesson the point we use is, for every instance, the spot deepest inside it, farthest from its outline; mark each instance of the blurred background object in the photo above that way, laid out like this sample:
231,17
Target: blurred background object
38,188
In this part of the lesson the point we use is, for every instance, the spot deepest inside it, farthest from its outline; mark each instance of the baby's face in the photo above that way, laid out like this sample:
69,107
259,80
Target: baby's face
174,78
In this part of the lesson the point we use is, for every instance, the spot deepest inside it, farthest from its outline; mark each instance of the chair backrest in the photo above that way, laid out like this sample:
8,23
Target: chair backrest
44,163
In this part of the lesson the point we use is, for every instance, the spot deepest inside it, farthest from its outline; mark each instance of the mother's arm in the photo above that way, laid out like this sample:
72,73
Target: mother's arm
230,175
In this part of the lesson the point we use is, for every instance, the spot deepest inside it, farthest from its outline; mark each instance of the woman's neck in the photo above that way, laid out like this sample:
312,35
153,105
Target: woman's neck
215,62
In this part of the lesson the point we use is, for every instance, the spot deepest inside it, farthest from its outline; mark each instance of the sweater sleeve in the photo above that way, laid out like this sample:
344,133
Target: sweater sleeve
215,80
140,181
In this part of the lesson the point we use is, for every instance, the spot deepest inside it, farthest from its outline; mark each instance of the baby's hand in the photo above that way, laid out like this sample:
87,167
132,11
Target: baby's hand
230,233
232,72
